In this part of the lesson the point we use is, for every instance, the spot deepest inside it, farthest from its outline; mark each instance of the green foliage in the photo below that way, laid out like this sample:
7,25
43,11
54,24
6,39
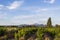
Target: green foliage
40,31
2,31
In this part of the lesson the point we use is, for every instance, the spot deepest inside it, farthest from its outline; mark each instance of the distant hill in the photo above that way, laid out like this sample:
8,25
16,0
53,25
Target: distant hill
36,25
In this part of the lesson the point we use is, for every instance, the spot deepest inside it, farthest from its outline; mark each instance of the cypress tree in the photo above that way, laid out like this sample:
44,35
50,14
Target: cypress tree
49,23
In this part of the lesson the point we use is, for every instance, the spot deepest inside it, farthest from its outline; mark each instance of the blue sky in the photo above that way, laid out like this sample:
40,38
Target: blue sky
15,12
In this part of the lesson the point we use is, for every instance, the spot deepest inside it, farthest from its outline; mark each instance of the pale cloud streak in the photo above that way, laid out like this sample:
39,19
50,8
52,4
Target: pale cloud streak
52,1
30,19
38,9
3,16
1,6
40,15
15,4
12,5
49,1
23,16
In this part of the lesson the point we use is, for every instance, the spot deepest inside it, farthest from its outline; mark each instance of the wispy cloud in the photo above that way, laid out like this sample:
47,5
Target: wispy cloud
1,6
15,4
40,15
30,19
12,5
35,9
49,1
39,9
23,16
3,16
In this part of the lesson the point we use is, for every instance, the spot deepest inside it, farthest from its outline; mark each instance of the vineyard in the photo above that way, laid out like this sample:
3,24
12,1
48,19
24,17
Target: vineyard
29,33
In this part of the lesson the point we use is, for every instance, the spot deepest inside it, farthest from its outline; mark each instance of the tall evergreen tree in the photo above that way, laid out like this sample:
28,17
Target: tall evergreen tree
49,23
